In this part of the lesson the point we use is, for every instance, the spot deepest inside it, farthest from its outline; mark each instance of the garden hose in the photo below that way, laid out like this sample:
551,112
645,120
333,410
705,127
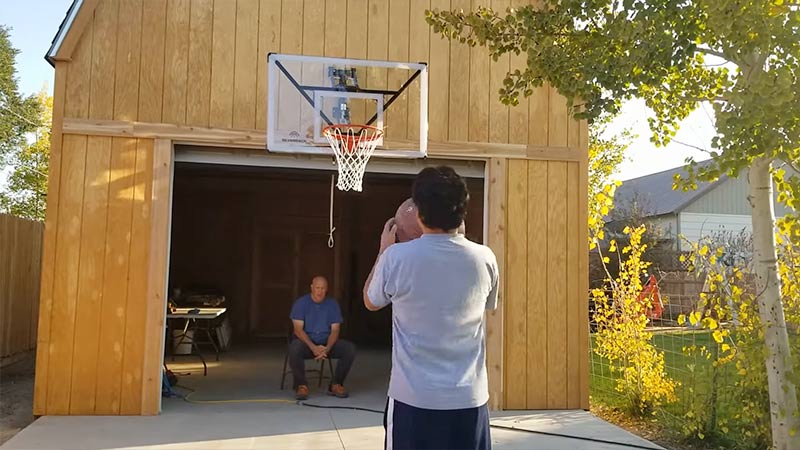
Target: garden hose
569,436
212,402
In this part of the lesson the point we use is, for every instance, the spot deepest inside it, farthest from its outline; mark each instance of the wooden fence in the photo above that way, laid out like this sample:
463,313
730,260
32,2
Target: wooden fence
20,267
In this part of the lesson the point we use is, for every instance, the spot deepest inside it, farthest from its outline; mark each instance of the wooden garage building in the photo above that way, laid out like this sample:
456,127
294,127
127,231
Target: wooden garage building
137,78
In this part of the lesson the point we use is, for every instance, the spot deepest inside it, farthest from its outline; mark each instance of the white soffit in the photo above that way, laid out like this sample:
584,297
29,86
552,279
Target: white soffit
187,154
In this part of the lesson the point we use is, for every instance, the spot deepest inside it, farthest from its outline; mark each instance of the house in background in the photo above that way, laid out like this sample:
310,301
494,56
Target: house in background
718,206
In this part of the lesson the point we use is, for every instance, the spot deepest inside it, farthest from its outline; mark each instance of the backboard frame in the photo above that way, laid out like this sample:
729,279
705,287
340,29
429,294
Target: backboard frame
318,114
314,95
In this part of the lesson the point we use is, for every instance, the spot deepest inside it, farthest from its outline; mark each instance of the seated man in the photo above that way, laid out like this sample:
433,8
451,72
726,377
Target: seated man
317,321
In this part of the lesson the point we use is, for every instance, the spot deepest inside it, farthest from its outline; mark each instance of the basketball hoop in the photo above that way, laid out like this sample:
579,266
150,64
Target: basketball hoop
352,146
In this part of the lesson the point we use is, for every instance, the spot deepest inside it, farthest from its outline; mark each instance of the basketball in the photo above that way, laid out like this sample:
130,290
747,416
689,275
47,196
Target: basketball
406,221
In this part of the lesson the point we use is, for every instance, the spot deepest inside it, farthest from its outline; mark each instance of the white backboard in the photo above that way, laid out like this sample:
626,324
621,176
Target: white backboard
307,93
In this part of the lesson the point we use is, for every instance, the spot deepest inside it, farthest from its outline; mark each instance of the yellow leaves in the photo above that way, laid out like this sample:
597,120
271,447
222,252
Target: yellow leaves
710,323
638,365
599,293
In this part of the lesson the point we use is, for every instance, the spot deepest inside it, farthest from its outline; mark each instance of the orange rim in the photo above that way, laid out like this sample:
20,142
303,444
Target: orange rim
377,132
349,140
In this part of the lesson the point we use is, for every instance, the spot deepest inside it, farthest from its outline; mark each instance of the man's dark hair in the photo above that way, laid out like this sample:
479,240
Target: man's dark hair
441,197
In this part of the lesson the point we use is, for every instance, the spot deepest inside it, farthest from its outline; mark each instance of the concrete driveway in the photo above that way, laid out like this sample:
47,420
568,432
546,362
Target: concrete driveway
255,374
276,426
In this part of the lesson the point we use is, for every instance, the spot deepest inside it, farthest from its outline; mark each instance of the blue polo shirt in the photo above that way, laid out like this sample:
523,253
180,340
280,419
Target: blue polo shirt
317,317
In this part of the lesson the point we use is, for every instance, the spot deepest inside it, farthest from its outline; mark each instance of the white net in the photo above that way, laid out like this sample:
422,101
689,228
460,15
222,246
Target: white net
352,145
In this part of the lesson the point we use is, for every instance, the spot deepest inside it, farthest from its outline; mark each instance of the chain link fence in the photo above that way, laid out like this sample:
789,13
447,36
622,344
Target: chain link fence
704,403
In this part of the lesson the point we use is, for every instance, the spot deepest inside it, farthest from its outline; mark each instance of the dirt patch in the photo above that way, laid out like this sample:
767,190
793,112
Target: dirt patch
649,429
16,396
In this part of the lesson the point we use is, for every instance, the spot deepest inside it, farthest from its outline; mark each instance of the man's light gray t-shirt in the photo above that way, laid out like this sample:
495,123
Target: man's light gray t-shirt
439,286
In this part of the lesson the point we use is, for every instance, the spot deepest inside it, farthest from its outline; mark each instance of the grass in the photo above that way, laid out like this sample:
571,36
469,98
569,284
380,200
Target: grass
677,363
702,389
693,372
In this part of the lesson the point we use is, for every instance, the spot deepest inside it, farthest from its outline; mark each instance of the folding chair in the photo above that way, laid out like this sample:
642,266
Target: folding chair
321,370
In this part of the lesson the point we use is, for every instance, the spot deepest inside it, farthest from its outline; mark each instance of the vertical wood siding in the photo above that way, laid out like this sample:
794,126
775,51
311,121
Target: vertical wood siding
203,63
545,324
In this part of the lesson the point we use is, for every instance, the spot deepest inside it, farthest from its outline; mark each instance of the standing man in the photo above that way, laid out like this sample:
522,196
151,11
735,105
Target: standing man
317,322
439,286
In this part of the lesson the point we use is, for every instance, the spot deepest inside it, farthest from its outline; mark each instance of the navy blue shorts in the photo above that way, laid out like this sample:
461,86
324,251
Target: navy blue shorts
410,428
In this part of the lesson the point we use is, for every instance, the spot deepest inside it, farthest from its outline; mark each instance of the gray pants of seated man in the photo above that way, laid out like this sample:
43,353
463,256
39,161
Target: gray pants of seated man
343,351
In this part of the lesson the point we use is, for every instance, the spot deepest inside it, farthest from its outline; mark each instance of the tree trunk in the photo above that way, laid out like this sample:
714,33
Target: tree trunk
782,393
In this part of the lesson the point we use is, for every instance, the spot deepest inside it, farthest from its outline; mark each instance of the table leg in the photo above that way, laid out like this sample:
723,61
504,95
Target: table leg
211,339
193,341
200,355
182,337
196,347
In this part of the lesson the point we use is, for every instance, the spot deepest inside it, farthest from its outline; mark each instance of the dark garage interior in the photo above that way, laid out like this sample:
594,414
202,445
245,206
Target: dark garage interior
258,235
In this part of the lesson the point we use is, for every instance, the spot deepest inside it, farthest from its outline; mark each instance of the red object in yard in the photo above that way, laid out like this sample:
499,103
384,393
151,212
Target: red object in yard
651,291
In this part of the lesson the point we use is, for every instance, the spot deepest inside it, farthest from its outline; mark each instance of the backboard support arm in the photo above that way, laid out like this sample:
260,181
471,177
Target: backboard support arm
395,94
302,91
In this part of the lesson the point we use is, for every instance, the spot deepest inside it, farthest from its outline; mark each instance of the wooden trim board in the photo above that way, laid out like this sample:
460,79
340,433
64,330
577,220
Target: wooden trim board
496,181
49,245
257,139
160,213
73,34
583,267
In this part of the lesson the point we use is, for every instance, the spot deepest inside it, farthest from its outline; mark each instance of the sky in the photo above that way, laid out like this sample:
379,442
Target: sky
35,22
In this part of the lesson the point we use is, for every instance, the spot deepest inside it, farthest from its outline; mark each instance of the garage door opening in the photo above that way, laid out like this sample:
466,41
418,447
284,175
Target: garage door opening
249,239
